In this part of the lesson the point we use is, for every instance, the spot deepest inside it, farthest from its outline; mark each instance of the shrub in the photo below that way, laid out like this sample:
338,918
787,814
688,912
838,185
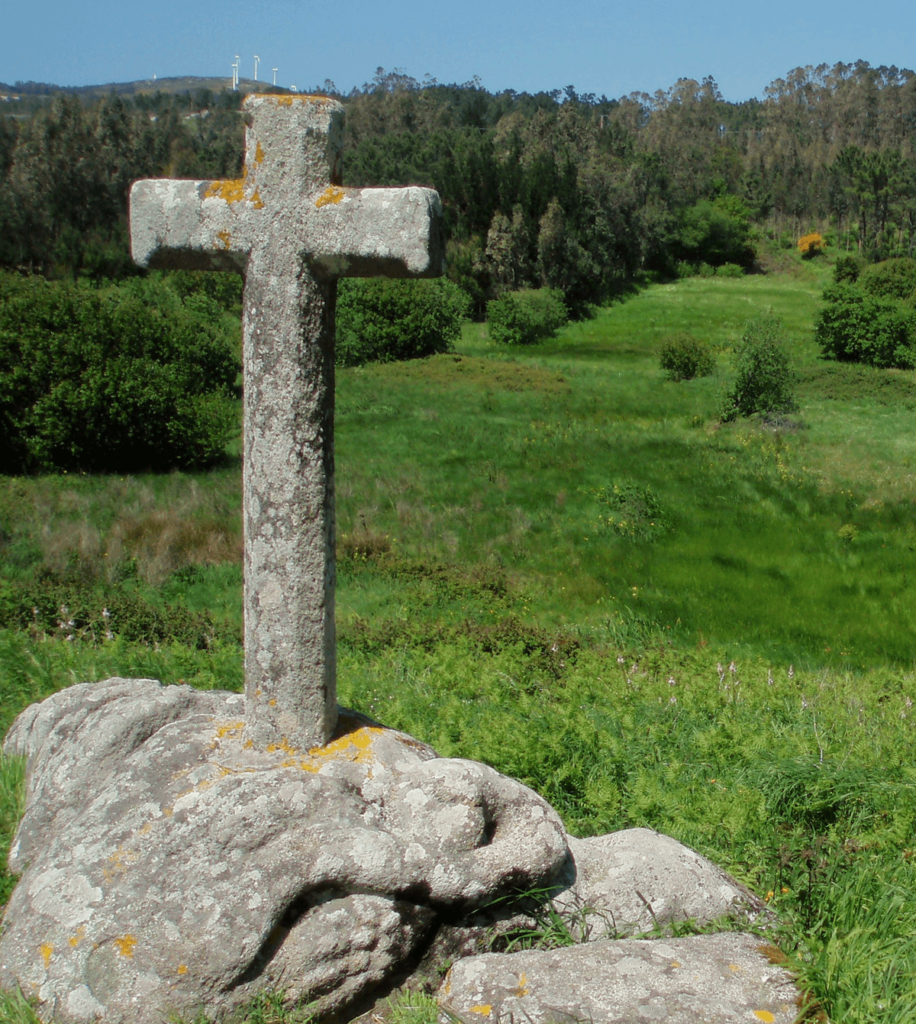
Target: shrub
225,289
859,328
730,270
812,245
684,357
890,279
715,232
380,320
763,375
847,268
130,380
526,317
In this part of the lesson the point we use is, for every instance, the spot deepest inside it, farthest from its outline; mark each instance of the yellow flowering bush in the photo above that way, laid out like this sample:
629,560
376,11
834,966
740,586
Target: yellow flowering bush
812,244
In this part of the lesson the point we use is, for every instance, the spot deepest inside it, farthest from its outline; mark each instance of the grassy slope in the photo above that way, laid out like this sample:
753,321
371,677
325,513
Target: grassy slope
453,464
486,608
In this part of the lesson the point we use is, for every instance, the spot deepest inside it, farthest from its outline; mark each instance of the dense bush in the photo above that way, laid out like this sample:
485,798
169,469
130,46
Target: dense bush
729,270
847,268
890,279
763,375
526,317
715,232
129,380
225,289
684,357
380,320
859,328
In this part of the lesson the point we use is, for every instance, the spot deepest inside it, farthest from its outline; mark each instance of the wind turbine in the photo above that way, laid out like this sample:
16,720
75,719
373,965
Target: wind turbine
237,65
275,75
256,59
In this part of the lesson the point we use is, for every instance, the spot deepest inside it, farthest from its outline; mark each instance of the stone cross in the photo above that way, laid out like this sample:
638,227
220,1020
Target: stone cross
289,227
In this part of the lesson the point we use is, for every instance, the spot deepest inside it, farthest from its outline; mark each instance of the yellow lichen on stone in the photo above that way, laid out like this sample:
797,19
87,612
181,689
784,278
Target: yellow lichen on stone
258,155
229,728
225,239
484,1009
119,862
675,963
302,97
46,950
125,945
76,939
765,1016
522,989
283,745
182,968
230,191
256,201
353,746
735,968
332,194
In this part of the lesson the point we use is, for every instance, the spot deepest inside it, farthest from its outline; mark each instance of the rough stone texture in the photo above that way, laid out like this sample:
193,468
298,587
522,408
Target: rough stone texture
169,863
636,880
702,979
292,230
603,886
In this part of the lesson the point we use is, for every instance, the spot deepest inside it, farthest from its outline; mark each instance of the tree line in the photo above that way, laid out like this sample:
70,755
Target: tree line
574,192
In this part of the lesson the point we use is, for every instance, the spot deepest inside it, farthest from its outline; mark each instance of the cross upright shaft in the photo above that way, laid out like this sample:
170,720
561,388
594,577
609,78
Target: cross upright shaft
290,228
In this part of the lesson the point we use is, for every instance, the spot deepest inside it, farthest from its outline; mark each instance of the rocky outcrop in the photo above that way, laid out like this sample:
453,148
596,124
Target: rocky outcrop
637,881
168,864
714,979
171,865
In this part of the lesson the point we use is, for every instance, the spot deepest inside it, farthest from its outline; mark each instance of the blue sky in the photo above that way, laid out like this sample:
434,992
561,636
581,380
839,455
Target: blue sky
611,48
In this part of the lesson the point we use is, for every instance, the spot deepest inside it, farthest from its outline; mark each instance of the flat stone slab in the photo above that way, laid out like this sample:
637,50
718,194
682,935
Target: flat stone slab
637,880
702,979
171,864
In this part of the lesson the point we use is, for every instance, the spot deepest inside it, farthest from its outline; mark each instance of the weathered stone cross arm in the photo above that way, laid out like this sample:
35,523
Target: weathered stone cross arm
291,229
352,232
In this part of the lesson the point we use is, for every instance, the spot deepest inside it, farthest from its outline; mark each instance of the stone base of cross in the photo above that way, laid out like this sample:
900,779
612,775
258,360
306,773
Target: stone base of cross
292,230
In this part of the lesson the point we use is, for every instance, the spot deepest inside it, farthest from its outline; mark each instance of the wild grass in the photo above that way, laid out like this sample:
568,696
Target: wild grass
789,540
556,561
16,1009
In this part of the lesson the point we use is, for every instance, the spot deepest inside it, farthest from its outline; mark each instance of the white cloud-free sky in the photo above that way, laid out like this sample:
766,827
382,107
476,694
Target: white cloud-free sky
610,48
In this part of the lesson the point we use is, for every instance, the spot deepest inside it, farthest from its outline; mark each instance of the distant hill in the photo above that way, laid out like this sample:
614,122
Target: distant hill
186,83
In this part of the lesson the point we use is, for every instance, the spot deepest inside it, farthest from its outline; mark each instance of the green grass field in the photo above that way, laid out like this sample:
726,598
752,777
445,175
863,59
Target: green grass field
556,561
